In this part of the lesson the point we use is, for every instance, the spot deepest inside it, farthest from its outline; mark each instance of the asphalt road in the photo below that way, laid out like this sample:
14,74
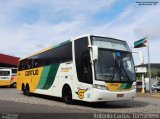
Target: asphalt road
12,101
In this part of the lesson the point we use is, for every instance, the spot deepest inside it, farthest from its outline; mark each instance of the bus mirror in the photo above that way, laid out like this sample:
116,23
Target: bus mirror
94,52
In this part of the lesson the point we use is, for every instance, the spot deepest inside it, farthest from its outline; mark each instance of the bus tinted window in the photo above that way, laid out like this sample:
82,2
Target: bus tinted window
59,54
14,70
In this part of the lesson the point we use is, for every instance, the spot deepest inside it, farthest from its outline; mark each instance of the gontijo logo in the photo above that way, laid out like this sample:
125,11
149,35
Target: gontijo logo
66,69
31,72
81,92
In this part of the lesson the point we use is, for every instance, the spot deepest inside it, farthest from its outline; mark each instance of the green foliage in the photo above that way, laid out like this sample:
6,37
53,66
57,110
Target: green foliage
158,73
154,72
138,77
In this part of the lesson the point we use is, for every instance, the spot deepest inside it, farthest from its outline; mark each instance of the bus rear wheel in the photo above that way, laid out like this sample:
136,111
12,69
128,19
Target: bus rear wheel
23,89
27,90
67,95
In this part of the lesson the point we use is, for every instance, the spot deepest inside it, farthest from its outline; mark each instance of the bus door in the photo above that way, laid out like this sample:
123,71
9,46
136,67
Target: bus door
83,67
86,69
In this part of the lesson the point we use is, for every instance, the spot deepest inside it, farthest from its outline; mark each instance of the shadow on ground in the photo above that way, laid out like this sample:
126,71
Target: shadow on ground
6,87
100,105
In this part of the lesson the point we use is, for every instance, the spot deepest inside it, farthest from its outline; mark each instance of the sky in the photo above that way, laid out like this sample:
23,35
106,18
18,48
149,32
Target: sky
27,26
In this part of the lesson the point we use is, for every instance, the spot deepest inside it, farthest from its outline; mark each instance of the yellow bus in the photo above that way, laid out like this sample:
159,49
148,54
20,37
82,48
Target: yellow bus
88,68
8,77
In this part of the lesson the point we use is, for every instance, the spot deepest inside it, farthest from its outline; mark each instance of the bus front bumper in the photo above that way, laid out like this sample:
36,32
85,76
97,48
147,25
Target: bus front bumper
105,95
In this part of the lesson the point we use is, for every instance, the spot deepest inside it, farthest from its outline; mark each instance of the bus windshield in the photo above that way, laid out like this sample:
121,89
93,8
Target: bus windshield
114,66
109,43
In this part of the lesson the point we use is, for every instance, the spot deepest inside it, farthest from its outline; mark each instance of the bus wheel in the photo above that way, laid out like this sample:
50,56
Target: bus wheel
67,94
27,90
23,89
13,85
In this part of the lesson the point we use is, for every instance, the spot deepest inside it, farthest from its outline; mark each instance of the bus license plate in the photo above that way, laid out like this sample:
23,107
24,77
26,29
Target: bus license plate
120,95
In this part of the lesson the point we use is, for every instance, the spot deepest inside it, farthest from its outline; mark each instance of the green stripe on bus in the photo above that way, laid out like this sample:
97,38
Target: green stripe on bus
51,76
129,85
123,86
126,85
43,77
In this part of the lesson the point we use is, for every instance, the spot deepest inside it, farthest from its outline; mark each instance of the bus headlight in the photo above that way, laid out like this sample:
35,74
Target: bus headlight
98,86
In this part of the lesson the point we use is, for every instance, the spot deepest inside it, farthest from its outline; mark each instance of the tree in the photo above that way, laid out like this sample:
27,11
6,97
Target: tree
158,74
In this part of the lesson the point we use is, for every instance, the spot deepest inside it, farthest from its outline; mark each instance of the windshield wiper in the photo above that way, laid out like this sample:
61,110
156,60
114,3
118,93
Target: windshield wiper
117,68
125,72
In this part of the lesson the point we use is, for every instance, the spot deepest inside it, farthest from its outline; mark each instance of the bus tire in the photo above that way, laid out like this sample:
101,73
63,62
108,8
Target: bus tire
67,94
13,85
23,89
27,90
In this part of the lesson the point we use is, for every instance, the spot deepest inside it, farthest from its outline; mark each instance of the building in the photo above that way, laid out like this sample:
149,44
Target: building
8,61
140,74
155,69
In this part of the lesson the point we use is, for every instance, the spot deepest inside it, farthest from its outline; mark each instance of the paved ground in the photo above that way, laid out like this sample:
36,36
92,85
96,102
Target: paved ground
149,95
13,101
17,107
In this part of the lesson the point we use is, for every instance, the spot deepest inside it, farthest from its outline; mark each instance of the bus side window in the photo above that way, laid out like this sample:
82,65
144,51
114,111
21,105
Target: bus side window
28,64
19,66
35,63
23,65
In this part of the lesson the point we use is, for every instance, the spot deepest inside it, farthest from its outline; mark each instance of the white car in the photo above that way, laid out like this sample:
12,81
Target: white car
156,86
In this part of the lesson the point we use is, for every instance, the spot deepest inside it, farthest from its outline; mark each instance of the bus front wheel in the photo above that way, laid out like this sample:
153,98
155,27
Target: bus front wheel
67,94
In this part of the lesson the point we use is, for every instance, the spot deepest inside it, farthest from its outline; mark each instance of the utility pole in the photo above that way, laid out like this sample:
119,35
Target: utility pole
149,68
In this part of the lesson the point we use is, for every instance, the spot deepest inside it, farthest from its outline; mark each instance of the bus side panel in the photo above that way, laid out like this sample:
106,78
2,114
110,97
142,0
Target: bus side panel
60,75
5,82
31,76
64,76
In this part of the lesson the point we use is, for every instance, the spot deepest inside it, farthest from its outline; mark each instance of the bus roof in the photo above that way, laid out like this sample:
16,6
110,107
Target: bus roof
60,44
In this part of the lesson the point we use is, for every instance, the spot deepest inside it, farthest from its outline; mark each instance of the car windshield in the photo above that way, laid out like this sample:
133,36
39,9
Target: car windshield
114,66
